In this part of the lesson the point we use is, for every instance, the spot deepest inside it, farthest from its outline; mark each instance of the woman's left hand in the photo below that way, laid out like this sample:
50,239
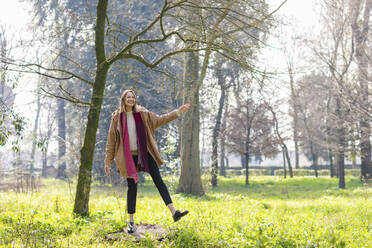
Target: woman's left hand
183,108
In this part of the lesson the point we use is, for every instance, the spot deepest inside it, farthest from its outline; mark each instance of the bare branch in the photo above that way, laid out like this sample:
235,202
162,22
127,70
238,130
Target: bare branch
71,99
30,68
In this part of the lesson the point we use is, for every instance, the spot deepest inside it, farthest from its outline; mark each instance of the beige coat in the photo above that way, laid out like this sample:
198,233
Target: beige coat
115,144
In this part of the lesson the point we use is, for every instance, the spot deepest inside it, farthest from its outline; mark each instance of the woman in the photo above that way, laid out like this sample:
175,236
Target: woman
131,142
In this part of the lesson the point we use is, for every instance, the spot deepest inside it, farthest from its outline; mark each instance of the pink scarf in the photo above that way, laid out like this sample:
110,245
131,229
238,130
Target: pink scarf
131,167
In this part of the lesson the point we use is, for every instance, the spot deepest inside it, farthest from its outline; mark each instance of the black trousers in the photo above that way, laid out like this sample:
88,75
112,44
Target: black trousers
156,177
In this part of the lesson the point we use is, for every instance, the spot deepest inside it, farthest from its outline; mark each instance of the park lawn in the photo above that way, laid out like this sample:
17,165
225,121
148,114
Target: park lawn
270,212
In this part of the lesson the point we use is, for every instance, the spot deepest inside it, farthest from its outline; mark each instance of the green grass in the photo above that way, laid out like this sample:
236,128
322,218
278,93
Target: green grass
270,212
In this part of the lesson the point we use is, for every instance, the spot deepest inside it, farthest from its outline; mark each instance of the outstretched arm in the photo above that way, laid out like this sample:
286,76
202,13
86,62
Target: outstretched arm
160,120
183,108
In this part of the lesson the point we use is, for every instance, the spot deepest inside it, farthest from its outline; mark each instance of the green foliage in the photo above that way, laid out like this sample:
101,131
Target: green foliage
16,128
270,212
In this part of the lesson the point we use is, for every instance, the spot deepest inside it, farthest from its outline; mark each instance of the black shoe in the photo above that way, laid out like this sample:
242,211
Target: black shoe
178,215
131,228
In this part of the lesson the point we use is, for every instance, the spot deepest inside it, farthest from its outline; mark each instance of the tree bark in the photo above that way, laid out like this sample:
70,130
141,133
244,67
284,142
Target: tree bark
288,160
246,153
284,165
190,178
295,118
328,136
314,158
331,165
340,154
361,32
216,129
224,164
61,174
81,206
284,146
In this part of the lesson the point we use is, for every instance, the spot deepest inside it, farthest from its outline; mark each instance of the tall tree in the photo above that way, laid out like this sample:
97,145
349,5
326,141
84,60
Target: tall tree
281,141
336,51
242,22
360,25
250,129
220,74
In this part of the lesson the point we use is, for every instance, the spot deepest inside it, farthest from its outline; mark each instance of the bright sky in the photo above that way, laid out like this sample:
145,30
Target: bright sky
13,15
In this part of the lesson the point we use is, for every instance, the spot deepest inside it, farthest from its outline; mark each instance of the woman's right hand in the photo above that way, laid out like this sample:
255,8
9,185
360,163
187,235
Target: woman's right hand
107,169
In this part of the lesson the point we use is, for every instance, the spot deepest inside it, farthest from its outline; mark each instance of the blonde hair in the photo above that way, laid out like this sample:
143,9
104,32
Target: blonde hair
122,100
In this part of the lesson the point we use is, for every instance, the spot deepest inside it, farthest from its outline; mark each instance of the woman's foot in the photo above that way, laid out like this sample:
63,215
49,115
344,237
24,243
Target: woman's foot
178,215
131,228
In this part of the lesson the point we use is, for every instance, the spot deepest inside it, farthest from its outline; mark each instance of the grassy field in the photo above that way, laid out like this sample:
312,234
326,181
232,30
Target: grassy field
270,212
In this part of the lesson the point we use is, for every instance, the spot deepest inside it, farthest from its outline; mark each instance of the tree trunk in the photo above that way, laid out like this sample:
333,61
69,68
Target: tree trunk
222,139
246,168
45,164
284,146
45,149
365,149
297,156
222,162
247,156
86,160
331,166
361,32
36,126
202,153
284,165
328,137
288,160
216,129
190,178
340,154
61,139
314,158
295,118
81,206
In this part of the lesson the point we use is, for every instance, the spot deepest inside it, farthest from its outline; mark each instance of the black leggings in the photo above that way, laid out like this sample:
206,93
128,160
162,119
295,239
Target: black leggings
155,174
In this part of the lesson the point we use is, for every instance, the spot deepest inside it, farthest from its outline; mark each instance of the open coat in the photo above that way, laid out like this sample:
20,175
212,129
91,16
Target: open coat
115,144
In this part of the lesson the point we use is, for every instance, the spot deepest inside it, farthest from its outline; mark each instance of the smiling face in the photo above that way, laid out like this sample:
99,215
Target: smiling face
129,101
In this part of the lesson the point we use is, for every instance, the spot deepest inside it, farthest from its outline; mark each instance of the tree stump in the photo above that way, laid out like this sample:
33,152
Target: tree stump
143,231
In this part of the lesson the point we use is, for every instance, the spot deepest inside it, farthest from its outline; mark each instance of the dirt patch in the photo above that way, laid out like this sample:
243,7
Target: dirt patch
143,230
